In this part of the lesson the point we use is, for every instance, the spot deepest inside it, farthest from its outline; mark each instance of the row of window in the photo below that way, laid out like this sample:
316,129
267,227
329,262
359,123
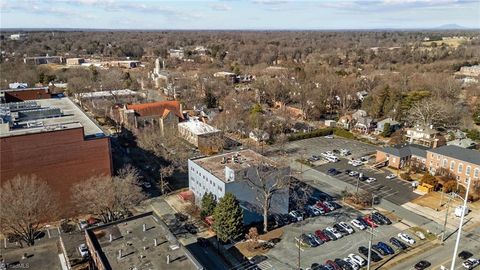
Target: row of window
460,166
203,184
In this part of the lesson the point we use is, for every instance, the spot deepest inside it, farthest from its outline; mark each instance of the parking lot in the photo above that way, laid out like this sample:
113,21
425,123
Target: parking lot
394,190
285,255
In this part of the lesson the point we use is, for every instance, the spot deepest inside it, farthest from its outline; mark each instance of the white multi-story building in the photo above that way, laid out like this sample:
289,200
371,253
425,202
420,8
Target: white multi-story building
228,173
198,133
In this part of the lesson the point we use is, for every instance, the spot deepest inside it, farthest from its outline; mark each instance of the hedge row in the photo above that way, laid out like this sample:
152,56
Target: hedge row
311,134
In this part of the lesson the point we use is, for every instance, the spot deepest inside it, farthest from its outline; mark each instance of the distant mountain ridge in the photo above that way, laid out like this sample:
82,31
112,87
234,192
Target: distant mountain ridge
451,26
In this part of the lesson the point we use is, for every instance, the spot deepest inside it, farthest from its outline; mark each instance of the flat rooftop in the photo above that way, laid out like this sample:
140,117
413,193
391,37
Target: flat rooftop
234,160
71,117
198,127
138,246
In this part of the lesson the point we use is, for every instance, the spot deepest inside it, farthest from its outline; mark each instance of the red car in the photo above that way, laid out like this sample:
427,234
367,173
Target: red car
322,236
333,265
323,206
370,222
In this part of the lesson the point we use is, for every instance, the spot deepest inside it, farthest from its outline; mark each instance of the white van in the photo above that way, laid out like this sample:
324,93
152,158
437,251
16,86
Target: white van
458,210
332,159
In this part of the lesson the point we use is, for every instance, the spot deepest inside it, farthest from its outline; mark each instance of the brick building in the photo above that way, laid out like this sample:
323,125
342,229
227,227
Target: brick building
399,156
22,94
463,163
53,139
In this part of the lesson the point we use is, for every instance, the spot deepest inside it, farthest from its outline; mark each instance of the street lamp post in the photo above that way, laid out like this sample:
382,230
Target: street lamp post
452,267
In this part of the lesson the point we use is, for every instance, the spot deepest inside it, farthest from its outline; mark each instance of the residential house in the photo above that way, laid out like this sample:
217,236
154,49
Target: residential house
163,114
330,123
259,135
301,127
362,122
39,60
394,125
345,121
228,173
176,53
462,162
75,61
291,109
399,156
464,143
426,136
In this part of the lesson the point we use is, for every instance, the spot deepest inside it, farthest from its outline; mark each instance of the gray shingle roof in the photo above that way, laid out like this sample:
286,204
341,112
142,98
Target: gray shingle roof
463,154
405,150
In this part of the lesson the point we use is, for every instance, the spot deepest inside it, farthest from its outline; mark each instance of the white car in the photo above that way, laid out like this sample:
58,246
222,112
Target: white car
352,263
329,137
334,232
329,206
319,209
296,215
390,176
358,224
371,180
471,263
359,260
347,227
353,173
406,238
83,224
420,235
314,210
332,159
83,249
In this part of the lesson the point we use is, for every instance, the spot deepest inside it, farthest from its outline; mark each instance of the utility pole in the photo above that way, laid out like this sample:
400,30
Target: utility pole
444,231
371,239
452,267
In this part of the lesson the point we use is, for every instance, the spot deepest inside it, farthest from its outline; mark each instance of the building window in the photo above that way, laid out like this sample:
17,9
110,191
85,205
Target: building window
438,157
444,164
460,168
467,172
475,173
452,165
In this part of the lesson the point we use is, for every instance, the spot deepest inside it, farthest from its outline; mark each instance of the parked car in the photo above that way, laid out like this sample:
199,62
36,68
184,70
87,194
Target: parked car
328,137
343,264
378,220
305,240
370,221
391,176
407,238
364,251
465,254
83,224
420,235
332,265
399,244
329,205
379,250
315,158
83,249
333,171
295,214
323,206
371,180
313,211
330,234
363,177
422,265
319,209
471,263
383,217
358,224
332,159
334,232
353,264
340,229
360,219
323,236
315,239
353,173
346,227
357,259
386,247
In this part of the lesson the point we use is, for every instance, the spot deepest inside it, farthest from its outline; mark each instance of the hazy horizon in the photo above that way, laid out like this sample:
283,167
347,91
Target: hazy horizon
260,15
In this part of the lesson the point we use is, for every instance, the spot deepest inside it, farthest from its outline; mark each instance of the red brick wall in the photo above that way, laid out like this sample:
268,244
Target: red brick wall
61,158
16,96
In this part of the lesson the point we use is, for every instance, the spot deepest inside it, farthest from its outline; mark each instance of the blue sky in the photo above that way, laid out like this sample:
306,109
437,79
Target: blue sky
238,14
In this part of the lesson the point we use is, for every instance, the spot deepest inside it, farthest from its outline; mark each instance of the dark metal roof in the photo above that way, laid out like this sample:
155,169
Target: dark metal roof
406,150
463,154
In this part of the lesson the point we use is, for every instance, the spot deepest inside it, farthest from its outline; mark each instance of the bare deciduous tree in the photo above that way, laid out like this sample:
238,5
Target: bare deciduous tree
267,180
25,203
434,112
165,172
111,198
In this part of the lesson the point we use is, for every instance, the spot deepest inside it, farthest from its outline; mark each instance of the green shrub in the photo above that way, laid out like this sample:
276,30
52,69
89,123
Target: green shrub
311,134
343,133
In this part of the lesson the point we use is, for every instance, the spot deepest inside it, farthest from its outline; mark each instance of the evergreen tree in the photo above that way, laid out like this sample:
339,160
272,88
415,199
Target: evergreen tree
208,205
228,218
